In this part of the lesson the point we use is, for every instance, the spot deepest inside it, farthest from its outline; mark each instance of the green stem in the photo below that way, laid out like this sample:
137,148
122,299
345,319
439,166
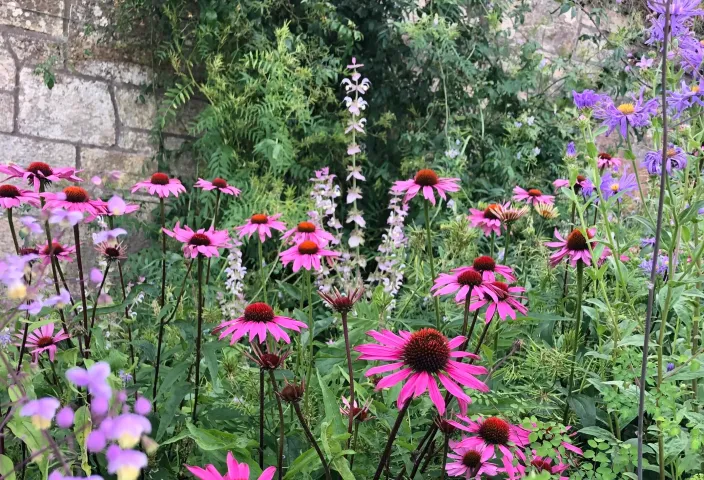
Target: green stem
577,328
431,259
311,338
311,439
213,224
199,334
282,432
81,282
491,244
262,273
508,242
261,418
350,373
95,305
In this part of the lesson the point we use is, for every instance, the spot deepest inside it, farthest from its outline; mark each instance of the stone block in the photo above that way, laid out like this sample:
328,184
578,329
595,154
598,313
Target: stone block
24,151
7,112
135,109
45,16
134,166
179,125
119,72
33,50
75,109
134,140
7,67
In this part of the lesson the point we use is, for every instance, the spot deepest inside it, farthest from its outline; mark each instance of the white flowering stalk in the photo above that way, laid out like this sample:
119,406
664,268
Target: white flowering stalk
390,262
232,305
355,87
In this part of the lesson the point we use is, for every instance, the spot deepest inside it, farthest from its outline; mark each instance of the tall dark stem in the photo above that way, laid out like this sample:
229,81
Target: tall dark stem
213,224
446,446
390,442
354,443
81,282
508,242
311,439
577,328
350,372
95,305
12,231
282,430
127,312
162,297
465,320
261,418
656,248
431,258
199,336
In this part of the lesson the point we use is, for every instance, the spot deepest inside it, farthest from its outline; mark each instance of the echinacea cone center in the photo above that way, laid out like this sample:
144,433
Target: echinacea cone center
470,277
112,252
199,240
494,431
472,459
76,194
40,167
259,219
576,241
160,179
270,361
426,178
626,108
219,183
605,156
484,264
426,351
534,192
53,249
501,290
308,248
490,211
258,312
581,178
45,342
28,251
306,227
292,393
542,465
9,191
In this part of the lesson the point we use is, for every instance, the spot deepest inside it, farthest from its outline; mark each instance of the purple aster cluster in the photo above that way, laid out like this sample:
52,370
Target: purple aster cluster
676,159
682,13
586,99
635,114
690,52
660,268
687,96
611,185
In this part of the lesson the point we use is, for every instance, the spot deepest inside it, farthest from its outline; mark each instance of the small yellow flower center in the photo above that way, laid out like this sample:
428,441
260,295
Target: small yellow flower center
671,152
41,423
626,108
695,89
127,473
17,291
127,441
614,187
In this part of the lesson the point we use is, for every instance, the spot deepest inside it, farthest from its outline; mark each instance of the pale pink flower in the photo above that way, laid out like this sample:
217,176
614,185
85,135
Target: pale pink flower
309,231
258,319
261,224
353,149
306,254
235,471
502,299
43,339
354,194
356,125
355,216
426,180
74,199
161,185
355,172
532,196
422,358
12,196
37,173
494,433
488,219
201,242
471,463
116,206
220,184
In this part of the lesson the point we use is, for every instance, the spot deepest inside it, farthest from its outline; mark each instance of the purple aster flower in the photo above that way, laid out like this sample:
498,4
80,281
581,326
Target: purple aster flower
691,53
681,11
41,411
670,366
647,242
676,158
611,186
126,464
586,99
571,151
660,268
635,114
680,100
94,378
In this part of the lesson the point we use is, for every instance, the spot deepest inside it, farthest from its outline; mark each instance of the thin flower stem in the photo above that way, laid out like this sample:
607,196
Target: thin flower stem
12,231
282,430
491,244
127,313
213,224
390,442
656,248
199,335
354,443
311,337
95,305
262,272
162,297
507,232
81,282
261,418
311,439
162,324
431,258
350,372
577,327
63,281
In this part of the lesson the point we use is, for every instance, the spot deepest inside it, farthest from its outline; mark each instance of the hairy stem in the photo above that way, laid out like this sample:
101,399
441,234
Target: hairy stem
81,284
261,418
282,430
350,372
431,258
199,336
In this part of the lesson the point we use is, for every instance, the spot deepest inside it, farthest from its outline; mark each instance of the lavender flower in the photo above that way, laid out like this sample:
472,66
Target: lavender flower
5,338
636,114
57,475
65,218
41,411
31,225
680,100
660,267
645,62
64,418
127,429
233,306
647,242
611,186
12,270
676,158
571,151
586,99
